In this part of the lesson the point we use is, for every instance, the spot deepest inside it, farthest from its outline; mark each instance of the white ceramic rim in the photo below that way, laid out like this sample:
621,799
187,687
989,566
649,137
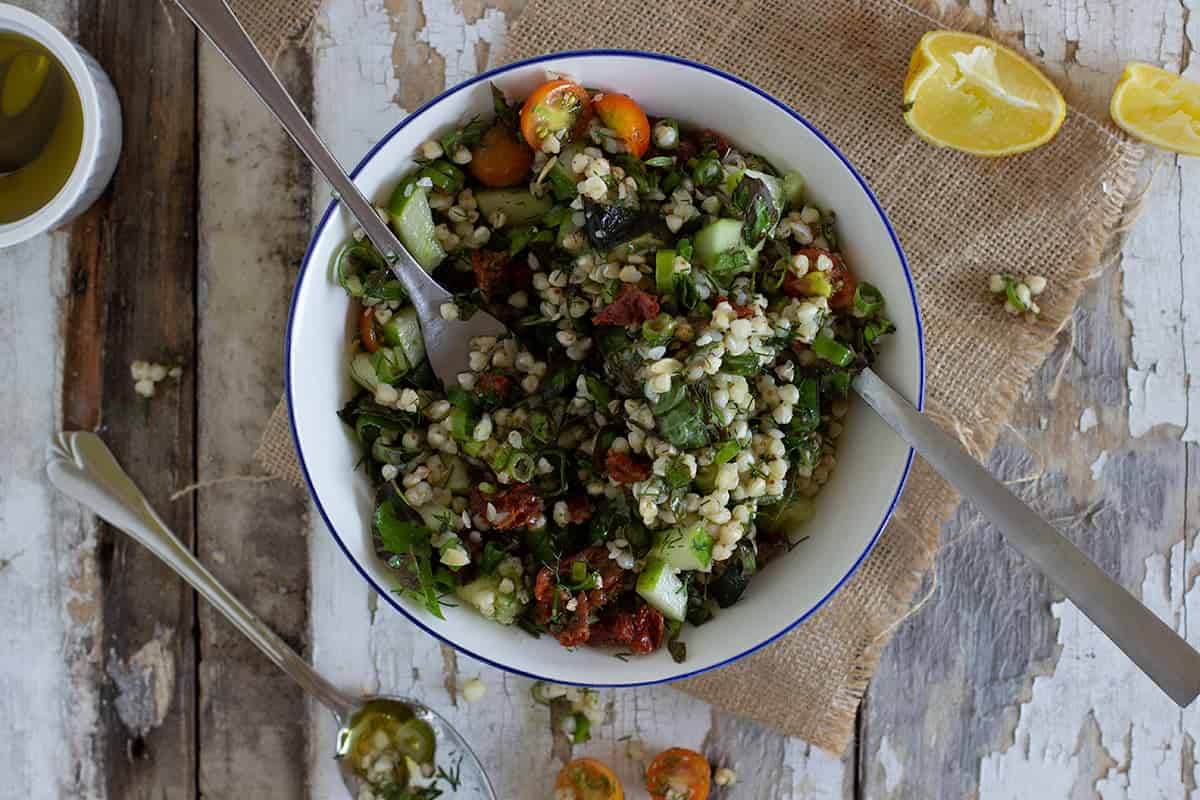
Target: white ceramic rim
18,20
488,75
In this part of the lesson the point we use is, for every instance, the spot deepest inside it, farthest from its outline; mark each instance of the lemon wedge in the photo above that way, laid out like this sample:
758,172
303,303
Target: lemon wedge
1158,107
973,94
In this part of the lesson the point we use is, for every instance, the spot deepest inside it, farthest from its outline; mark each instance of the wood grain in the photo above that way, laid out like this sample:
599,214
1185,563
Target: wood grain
253,211
132,297
998,689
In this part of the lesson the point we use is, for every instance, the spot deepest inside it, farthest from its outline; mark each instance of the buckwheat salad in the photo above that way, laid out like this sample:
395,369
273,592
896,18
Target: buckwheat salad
655,428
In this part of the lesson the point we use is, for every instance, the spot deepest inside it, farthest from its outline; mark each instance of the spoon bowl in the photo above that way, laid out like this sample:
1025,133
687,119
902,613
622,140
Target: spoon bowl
81,466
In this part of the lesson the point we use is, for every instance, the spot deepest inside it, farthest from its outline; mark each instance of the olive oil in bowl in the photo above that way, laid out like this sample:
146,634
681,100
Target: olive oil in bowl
41,127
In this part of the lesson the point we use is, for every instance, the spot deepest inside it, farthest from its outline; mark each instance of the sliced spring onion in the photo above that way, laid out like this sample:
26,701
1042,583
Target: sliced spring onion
833,351
678,474
1010,291
664,272
658,331
354,260
867,300
706,172
521,467
660,162
500,460
389,364
578,571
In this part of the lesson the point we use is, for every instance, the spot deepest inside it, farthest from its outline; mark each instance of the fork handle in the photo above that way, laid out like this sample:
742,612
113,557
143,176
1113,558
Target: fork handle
1149,642
81,466
214,19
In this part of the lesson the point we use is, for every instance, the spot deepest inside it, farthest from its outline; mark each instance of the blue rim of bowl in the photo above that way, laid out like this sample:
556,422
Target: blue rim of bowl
384,592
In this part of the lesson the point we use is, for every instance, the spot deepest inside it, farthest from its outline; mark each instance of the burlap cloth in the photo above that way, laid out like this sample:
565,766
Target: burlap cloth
841,63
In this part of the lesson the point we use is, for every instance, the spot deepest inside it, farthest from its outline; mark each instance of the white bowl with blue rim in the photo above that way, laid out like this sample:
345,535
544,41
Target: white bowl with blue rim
872,464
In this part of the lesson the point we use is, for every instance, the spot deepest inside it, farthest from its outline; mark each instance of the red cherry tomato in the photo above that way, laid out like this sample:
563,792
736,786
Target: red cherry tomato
500,159
559,108
621,113
679,770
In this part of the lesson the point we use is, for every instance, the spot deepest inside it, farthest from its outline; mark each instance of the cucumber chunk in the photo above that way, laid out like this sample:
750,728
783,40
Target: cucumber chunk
484,595
436,517
403,330
363,371
793,189
660,586
519,206
723,238
687,548
412,220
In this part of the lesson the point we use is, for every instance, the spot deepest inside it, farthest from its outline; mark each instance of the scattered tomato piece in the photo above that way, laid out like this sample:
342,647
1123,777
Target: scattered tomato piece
500,158
590,780
683,773
558,109
630,306
621,113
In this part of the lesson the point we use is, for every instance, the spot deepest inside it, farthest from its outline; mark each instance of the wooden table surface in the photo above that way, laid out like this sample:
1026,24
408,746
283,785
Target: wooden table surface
116,683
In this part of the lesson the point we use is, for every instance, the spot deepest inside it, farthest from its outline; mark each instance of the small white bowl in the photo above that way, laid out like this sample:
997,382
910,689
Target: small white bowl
872,462
101,128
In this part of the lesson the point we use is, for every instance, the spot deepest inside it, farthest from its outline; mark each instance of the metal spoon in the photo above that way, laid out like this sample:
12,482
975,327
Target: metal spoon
1149,642
447,343
81,466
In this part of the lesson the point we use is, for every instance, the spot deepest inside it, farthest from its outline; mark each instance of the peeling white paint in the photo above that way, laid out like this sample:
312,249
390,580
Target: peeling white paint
145,683
456,40
1143,732
1087,420
1098,465
893,768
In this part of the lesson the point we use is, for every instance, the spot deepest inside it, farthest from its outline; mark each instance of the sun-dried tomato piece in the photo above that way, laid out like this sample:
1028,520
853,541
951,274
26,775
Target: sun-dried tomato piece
708,139
631,306
494,383
649,628
491,271
839,275
615,630
578,509
578,630
624,468
516,506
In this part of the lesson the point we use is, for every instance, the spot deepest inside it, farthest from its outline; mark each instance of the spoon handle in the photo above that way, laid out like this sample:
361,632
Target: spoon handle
1158,650
81,465
214,19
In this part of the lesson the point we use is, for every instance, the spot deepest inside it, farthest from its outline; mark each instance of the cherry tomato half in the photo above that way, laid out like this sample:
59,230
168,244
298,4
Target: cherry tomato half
500,159
366,330
590,780
679,770
559,108
622,113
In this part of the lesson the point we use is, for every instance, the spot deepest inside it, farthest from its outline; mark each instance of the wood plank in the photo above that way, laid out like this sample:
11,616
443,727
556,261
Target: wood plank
49,696
403,56
132,289
253,228
999,689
